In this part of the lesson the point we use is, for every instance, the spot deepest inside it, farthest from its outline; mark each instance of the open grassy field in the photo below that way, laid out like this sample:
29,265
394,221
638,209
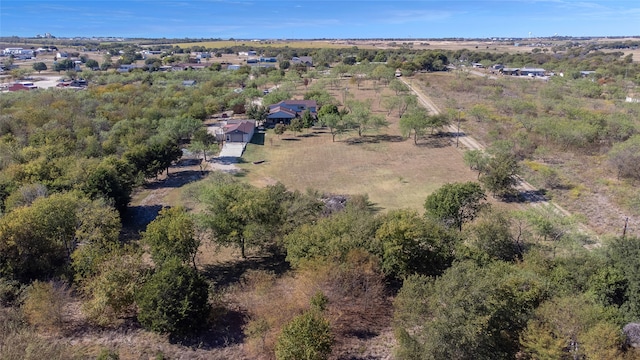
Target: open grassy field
394,174
390,169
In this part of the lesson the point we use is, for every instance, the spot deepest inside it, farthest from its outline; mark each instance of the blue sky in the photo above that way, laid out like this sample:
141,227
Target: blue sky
304,19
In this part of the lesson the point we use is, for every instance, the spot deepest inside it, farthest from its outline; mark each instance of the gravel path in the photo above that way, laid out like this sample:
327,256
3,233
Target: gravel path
530,194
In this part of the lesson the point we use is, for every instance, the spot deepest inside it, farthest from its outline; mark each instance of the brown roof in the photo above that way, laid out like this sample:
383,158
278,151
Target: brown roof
283,109
243,126
306,103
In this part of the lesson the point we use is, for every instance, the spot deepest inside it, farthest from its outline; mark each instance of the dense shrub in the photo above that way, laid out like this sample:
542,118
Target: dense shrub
306,337
174,300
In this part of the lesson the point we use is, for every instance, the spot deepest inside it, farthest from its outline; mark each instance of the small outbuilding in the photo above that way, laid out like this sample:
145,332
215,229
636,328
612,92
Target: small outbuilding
240,131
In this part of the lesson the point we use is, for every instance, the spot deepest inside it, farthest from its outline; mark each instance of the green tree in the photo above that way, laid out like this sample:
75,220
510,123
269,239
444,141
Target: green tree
306,337
174,300
480,112
296,125
469,312
476,160
36,241
98,232
335,124
573,327
331,238
63,65
92,64
408,244
455,203
624,256
172,235
279,129
111,180
625,157
415,120
241,215
360,115
306,119
398,86
110,291
203,141
499,176
39,66
491,234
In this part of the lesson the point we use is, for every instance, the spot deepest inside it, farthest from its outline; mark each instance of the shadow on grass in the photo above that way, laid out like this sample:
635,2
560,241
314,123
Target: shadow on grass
290,139
374,139
434,141
307,135
363,334
231,272
258,138
177,179
226,330
136,219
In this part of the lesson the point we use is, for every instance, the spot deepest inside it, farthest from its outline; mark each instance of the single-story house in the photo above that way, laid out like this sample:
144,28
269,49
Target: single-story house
532,72
510,71
287,110
189,83
21,86
306,60
239,130
586,73
126,68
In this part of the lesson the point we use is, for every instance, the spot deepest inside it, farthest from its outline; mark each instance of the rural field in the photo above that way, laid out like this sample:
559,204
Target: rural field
117,218
389,168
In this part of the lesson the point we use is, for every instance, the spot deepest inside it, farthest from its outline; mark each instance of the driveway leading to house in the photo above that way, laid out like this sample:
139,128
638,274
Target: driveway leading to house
232,150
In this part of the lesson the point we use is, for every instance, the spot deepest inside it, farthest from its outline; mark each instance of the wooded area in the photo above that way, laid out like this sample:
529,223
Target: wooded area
475,273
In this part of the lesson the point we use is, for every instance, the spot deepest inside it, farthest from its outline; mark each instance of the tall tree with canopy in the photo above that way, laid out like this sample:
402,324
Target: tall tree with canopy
455,203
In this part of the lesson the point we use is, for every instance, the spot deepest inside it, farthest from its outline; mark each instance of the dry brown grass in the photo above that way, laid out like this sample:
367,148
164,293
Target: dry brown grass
358,308
393,171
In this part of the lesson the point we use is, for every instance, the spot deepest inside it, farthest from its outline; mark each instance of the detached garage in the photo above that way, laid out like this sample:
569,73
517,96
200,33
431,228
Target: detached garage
239,132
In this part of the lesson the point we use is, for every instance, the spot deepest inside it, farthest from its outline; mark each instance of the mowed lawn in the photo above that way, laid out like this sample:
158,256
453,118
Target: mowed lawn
394,173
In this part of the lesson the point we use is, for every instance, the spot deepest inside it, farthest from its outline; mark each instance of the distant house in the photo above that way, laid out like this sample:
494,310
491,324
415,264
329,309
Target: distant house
126,68
247,53
189,83
21,86
287,110
510,71
239,131
532,72
268,59
305,60
233,67
18,52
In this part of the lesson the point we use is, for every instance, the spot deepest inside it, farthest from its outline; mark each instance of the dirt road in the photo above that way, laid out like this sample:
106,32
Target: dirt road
527,191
